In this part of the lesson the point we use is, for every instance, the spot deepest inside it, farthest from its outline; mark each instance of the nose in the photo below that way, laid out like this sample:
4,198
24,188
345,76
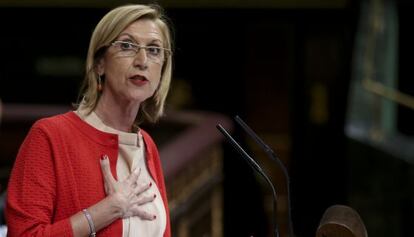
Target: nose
141,59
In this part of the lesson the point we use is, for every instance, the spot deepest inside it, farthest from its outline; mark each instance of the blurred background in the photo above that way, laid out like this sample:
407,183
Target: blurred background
326,84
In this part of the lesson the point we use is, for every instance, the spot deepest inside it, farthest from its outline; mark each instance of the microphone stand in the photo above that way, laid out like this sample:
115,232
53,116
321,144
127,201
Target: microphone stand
256,167
272,155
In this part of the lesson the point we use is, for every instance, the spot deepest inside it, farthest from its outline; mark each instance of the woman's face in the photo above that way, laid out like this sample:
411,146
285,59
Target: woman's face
132,74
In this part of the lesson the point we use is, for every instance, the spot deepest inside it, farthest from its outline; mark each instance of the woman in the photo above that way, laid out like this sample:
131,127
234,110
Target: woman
94,170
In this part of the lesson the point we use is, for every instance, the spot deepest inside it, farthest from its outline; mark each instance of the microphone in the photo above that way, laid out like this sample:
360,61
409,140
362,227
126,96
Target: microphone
272,155
256,167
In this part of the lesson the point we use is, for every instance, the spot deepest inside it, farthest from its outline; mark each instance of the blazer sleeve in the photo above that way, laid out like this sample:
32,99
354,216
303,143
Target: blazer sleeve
31,190
161,184
155,167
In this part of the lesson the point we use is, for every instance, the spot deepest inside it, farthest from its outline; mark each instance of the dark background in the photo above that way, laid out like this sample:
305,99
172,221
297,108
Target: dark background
268,65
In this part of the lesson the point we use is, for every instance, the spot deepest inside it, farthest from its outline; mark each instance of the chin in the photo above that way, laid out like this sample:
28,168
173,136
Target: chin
139,98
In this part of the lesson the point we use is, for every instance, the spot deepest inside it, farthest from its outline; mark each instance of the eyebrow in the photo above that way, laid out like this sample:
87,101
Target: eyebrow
135,41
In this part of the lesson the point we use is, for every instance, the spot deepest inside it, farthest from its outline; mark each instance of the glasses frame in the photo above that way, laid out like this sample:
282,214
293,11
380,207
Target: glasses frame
167,52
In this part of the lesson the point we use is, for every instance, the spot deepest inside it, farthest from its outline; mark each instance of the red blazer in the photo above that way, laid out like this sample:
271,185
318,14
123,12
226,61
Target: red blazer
57,174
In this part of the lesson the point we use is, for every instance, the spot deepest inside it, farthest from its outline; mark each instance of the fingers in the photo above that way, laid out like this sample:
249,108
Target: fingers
146,199
106,169
145,215
133,177
140,189
129,193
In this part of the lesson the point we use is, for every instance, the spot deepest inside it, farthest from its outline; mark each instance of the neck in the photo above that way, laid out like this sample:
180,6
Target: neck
117,115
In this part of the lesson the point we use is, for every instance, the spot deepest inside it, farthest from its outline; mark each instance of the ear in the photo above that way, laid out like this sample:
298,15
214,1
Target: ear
100,66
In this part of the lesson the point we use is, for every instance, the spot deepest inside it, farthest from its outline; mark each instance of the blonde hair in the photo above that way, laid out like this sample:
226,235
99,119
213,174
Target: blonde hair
106,31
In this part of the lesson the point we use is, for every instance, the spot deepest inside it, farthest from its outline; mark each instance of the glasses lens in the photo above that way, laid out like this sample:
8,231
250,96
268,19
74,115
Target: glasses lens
154,53
127,48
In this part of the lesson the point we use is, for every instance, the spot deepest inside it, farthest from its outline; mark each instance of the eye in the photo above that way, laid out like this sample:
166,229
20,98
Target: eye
127,45
154,50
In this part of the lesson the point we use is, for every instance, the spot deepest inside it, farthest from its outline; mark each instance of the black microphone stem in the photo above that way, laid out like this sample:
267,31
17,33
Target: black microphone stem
270,153
256,167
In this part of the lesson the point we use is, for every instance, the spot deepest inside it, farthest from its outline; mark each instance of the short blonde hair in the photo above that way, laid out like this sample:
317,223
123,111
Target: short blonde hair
107,30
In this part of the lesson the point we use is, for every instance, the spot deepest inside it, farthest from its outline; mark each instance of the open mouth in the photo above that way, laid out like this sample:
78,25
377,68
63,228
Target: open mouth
138,78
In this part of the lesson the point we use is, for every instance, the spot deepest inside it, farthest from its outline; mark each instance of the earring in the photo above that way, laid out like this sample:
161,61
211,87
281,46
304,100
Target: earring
99,83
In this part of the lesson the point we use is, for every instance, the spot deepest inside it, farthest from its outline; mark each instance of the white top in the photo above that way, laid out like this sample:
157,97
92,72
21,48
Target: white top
131,155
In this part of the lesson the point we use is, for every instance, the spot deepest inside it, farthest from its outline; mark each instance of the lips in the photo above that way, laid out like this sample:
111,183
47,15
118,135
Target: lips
138,77
138,80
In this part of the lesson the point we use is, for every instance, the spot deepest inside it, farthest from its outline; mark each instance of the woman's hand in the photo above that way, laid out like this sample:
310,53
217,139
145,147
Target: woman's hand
127,195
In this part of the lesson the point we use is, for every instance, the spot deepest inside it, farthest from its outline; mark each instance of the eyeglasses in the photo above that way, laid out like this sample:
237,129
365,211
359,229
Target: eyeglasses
154,53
